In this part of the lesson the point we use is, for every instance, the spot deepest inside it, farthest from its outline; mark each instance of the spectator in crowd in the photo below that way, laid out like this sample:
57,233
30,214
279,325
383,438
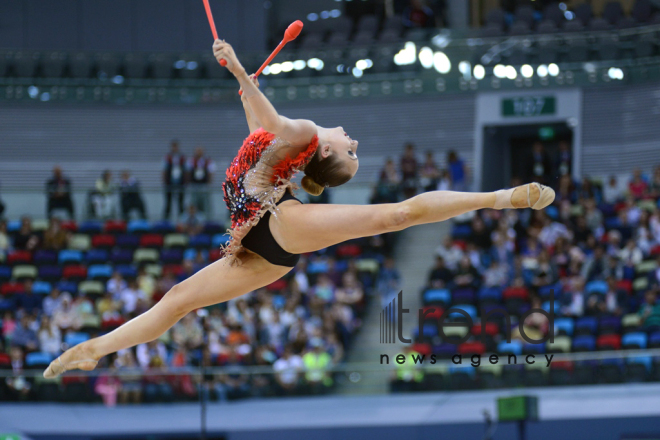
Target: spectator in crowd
440,275
144,353
50,337
637,186
131,384
188,333
174,178
450,252
444,182
409,171
4,239
654,188
193,223
130,296
650,309
58,191
107,386
430,173
17,385
116,284
612,192
52,302
201,170
234,382
389,184
130,196
564,159
317,362
288,370
540,165
65,316
28,301
103,196
24,336
26,239
457,171
55,237
157,386
418,15
389,282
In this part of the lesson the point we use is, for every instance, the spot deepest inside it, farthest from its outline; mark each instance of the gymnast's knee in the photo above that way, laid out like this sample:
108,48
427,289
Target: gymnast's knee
178,301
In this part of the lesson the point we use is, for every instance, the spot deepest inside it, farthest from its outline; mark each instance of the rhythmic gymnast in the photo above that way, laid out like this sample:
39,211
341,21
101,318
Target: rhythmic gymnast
264,247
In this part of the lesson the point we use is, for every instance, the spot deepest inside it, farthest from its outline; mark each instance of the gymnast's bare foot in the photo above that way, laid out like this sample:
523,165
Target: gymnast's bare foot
533,195
78,357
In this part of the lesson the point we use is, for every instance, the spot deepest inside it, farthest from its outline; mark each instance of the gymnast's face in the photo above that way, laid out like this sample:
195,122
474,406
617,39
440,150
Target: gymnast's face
343,147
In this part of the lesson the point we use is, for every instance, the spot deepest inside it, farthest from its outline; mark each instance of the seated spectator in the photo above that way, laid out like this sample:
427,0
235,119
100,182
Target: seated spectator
596,265
131,384
612,192
89,319
188,332
50,337
65,316
650,310
130,296
24,336
130,196
102,197
288,371
637,187
450,252
58,190
8,324
144,353
107,386
157,387
234,382
409,171
317,363
457,171
26,239
467,275
193,224
576,301
350,292
17,385
51,302
324,289
631,255
440,275
429,174
146,283
496,275
28,301
116,284
55,237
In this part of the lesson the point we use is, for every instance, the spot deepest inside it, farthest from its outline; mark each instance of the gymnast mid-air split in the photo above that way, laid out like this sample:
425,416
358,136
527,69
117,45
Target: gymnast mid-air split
264,247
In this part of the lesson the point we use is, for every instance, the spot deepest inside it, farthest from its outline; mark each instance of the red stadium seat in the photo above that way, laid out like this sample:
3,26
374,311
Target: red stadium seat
516,292
70,226
655,251
422,348
215,254
277,285
115,226
151,240
348,250
562,365
175,269
626,285
472,348
5,360
609,342
491,329
103,241
462,244
77,272
19,257
434,312
12,288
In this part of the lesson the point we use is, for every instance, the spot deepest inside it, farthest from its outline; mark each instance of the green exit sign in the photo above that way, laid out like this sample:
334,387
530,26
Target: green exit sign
10,437
528,106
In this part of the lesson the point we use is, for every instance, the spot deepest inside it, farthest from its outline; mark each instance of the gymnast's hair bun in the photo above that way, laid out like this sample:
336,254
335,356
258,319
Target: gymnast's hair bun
309,185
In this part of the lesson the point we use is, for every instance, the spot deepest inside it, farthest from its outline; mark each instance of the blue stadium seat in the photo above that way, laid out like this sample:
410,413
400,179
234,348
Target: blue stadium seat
430,330
584,343
90,227
171,255
533,348
44,256
96,256
490,293
586,325
546,291
341,265
634,340
514,347
38,358
596,286
138,226
546,306
461,231
471,310
41,288
99,271
72,339
213,228
13,226
5,273
127,271
456,369
189,254
200,241
565,325
317,267
219,240
552,212
163,227
68,256
121,256
437,296
68,286
647,361
51,273
128,241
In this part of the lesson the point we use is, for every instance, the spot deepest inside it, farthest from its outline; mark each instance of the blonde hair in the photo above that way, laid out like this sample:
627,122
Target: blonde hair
311,187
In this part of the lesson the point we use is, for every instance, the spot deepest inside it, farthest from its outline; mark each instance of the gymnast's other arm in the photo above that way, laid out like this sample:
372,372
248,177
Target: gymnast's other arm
297,132
253,122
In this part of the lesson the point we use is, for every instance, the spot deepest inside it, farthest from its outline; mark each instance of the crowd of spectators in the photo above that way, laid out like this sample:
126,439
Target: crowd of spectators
300,325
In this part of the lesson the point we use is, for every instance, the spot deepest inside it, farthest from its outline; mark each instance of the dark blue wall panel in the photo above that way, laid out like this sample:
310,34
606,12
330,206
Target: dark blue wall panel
53,24
159,26
106,25
12,24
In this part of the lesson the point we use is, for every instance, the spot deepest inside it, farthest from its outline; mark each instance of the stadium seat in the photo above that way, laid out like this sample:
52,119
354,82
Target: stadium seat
513,347
586,325
610,371
75,338
5,273
80,242
101,272
636,340
609,342
142,256
640,284
90,227
128,241
561,344
12,288
493,294
200,241
151,241
45,256
220,240
520,293
24,271
175,240
121,256
38,359
155,270
127,271
631,322
103,241
139,227
490,375
596,287
609,324
19,257
68,286
584,343
50,273
96,256
91,287
536,374
172,255
41,288
433,296
115,226
638,369
75,272
166,227
70,256
215,255
213,228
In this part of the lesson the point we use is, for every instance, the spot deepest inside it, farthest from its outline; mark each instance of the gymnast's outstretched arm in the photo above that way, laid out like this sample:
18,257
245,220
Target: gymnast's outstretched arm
297,132
253,122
